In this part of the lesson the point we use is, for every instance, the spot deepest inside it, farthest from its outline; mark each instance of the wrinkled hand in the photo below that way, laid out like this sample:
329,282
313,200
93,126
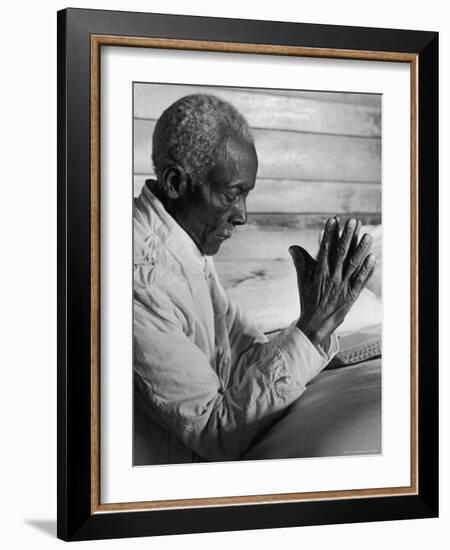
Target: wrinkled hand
330,285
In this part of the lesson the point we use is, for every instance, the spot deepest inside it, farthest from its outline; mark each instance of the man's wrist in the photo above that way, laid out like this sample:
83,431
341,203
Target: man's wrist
325,343
310,334
314,336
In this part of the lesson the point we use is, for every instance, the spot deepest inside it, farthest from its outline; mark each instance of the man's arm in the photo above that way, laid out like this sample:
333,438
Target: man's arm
245,337
180,390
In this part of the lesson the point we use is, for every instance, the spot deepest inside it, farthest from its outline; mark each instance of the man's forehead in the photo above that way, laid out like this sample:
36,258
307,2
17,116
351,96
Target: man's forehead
236,164
235,150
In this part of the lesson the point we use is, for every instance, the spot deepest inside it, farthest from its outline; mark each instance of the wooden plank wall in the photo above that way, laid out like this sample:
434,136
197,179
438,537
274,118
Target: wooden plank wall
319,155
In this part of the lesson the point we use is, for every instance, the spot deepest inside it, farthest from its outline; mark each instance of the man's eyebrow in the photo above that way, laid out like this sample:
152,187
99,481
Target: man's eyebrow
242,185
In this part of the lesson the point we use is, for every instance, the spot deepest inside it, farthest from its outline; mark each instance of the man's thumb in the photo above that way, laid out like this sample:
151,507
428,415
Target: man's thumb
299,255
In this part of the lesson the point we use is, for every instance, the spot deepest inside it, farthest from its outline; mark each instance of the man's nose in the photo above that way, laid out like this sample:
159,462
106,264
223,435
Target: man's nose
239,213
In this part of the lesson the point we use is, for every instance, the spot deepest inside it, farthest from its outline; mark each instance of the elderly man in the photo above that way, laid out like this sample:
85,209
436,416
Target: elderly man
207,381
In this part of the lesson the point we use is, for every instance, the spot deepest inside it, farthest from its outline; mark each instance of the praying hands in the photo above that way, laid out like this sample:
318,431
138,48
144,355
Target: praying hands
329,286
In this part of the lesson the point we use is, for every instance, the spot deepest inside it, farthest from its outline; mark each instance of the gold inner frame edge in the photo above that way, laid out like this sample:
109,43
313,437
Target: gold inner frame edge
264,49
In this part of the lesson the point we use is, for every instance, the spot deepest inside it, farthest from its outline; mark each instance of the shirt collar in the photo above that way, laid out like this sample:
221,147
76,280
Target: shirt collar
160,223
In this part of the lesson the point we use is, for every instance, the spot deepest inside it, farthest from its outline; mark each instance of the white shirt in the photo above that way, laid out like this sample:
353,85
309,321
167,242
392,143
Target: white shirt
207,381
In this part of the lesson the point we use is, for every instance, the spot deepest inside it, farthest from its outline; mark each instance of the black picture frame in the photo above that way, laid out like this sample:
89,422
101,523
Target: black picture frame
77,517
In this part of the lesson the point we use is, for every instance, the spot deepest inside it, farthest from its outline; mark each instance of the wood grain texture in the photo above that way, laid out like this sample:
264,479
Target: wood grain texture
313,220
252,242
292,155
319,112
368,100
296,196
267,291
255,242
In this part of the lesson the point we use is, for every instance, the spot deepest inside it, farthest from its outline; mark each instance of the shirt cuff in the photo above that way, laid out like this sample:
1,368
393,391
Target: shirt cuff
332,350
304,358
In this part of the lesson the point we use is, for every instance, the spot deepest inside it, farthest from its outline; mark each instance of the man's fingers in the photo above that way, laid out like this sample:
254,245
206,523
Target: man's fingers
354,260
355,239
334,242
324,250
353,246
361,277
344,242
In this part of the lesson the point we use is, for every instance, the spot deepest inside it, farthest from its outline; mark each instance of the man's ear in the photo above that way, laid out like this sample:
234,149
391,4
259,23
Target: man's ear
175,182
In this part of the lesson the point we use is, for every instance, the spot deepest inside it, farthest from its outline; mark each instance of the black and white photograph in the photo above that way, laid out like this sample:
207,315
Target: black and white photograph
225,250
257,262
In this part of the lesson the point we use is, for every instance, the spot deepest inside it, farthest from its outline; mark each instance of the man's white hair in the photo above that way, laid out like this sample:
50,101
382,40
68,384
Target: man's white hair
190,131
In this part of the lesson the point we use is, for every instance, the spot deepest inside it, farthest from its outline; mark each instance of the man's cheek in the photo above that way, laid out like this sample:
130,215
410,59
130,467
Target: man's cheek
216,216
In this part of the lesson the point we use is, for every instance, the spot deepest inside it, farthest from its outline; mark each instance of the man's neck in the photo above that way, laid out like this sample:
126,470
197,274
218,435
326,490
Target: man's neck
156,190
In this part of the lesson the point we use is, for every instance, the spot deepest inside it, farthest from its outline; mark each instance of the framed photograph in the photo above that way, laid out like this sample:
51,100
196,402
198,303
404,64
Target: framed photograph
247,274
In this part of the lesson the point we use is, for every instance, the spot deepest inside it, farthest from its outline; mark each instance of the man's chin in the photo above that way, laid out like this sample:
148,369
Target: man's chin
214,242
213,246
211,250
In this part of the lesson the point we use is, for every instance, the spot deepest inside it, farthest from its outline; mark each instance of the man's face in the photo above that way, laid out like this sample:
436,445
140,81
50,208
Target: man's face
219,204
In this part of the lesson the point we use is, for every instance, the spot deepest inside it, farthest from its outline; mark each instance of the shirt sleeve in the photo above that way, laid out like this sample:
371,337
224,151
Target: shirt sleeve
303,359
180,390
